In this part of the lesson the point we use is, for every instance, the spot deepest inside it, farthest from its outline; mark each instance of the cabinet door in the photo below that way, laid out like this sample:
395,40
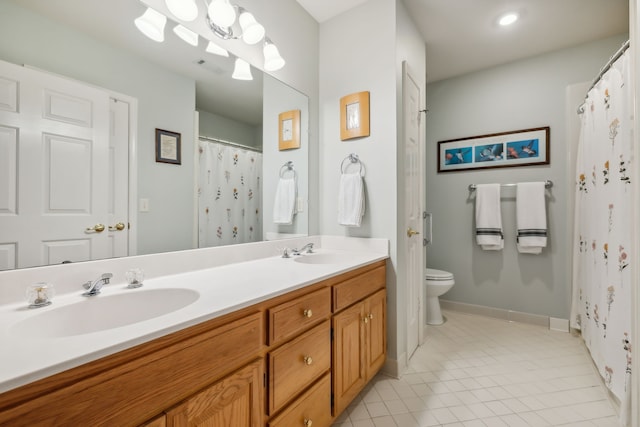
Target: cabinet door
376,332
160,421
348,356
235,401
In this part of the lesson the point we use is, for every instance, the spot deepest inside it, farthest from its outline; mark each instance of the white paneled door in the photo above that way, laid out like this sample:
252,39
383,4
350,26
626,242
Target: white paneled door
413,200
57,170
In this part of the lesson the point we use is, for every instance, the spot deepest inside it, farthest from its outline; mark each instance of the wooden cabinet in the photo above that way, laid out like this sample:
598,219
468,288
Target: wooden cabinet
359,348
235,401
274,363
297,364
313,408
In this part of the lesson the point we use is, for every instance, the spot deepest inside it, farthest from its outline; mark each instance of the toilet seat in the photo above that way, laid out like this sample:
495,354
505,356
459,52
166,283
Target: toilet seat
436,275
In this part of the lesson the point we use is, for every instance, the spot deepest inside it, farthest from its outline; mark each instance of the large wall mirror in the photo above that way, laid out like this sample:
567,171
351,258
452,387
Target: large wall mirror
170,86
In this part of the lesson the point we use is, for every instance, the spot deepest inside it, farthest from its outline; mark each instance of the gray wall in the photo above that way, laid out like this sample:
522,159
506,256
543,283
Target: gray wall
215,126
279,98
45,44
520,95
362,50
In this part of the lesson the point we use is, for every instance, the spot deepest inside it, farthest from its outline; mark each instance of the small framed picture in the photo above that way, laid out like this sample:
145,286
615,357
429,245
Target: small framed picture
289,130
168,147
354,116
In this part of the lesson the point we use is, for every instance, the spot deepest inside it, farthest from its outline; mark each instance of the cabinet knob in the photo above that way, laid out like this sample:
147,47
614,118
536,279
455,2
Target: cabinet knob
370,316
307,313
365,319
308,422
307,360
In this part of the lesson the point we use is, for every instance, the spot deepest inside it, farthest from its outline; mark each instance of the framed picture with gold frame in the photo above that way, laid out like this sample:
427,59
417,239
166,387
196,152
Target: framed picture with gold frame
354,116
289,130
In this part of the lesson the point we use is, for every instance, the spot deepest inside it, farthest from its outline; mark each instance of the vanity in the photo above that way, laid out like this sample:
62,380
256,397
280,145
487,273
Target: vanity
268,341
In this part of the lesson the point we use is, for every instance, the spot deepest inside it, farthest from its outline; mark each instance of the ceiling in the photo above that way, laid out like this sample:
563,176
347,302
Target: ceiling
462,36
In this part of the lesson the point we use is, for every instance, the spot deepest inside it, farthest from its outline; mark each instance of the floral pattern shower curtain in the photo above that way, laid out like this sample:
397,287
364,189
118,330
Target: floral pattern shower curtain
601,306
229,195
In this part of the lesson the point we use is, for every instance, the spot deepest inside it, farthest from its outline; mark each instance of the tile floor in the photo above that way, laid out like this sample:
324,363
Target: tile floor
477,371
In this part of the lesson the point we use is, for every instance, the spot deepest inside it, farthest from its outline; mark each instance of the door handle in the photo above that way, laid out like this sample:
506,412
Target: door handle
98,228
411,232
118,227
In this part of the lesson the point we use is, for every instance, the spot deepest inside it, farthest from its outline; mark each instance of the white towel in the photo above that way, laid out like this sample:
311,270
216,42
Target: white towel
285,201
531,217
351,200
488,217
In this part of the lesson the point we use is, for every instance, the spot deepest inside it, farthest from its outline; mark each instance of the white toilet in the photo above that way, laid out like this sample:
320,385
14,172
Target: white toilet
438,282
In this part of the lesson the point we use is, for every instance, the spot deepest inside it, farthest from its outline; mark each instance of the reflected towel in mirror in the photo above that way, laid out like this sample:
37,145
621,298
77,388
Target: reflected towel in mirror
285,201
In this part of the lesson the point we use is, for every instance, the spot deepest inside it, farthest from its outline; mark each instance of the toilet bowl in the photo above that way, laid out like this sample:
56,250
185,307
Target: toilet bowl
438,282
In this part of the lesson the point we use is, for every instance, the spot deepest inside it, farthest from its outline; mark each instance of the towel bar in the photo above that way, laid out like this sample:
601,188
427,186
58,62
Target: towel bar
547,184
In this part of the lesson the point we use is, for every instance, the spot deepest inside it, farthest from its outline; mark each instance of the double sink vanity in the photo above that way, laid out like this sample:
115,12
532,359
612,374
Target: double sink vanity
233,336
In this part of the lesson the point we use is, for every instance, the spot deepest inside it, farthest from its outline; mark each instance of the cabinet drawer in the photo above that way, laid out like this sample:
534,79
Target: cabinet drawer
292,317
297,364
312,408
357,288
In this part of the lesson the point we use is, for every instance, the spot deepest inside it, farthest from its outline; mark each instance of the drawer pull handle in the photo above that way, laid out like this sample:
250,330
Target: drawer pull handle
307,360
308,422
307,313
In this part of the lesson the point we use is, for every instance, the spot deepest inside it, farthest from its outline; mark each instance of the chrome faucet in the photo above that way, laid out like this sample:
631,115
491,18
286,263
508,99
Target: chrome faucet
307,249
93,288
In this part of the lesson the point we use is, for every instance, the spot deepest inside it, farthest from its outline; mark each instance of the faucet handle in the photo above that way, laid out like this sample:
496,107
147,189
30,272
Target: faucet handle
285,253
106,277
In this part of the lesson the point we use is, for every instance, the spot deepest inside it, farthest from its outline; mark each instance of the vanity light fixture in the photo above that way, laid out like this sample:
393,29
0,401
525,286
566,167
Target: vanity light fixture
151,24
216,50
242,70
508,19
184,10
272,59
222,13
252,30
186,34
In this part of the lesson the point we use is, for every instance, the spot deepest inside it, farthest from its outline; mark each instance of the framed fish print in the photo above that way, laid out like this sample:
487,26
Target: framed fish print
525,147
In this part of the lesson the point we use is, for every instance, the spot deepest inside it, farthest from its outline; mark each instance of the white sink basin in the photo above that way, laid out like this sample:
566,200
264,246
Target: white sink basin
102,312
322,258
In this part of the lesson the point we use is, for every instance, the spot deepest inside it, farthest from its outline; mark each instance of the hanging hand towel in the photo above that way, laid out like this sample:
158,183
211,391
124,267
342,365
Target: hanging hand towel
285,201
488,217
531,217
351,200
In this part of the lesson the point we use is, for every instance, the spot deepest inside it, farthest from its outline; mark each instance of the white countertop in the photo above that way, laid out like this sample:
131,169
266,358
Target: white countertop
222,290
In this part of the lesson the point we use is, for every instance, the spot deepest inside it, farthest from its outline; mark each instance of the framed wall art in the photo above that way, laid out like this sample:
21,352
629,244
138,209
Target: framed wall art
354,116
289,130
168,147
525,147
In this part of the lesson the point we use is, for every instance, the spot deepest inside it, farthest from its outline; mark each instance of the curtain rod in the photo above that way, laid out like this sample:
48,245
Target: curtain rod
606,68
547,184
232,144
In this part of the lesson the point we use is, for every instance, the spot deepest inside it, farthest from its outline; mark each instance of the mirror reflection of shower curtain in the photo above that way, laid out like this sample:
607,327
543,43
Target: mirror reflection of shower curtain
229,195
602,260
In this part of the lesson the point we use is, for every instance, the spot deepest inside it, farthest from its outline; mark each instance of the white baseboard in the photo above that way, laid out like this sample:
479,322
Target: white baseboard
552,323
393,368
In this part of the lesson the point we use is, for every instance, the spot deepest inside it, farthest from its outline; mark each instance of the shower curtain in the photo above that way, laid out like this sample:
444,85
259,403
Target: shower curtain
229,195
601,303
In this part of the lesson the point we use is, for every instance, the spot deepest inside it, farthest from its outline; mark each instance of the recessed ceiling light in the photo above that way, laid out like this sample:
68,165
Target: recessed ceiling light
508,19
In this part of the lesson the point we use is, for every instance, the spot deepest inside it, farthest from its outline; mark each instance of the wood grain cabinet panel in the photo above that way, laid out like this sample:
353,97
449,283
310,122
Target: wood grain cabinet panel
290,318
297,364
359,347
235,401
312,409
357,288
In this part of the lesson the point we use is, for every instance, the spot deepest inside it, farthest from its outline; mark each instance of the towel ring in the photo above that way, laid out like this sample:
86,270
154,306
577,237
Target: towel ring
286,168
353,158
